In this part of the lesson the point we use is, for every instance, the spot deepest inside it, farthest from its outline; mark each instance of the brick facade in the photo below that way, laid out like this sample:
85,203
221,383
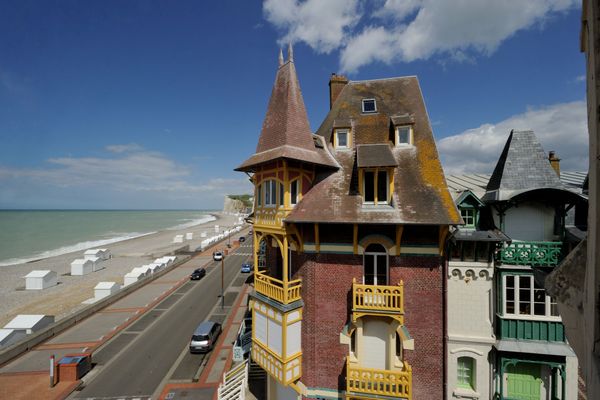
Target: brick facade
326,291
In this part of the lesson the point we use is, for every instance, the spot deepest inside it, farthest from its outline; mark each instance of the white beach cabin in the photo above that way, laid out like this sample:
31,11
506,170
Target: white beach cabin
29,323
40,279
105,289
133,276
82,266
10,336
97,263
178,239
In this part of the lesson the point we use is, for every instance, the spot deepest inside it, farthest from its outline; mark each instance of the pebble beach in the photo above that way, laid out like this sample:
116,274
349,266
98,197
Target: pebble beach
67,297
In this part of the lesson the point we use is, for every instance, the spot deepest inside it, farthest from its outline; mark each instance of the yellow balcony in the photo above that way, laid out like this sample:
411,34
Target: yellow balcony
285,371
378,382
378,300
283,292
270,219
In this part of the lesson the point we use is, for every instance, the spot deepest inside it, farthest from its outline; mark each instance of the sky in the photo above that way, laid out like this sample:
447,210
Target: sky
152,104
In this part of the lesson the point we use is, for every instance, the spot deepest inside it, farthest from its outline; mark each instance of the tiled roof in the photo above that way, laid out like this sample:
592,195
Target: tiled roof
522,166
420,193
286,131
374,155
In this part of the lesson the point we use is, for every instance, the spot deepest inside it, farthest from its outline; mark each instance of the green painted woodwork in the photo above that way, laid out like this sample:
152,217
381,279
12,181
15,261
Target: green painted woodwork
552,331
544,254
523,381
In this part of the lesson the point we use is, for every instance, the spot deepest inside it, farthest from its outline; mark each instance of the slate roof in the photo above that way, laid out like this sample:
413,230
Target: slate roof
374,155
420,193
523,166
286,132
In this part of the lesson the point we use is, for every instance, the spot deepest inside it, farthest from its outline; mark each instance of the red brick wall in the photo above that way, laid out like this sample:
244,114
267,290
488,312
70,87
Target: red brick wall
326,291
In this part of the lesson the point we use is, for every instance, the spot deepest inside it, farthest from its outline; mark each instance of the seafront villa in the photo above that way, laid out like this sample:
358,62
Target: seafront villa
373,280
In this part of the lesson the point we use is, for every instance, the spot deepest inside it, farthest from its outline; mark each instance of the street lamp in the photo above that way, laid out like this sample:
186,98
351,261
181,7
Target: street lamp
222,281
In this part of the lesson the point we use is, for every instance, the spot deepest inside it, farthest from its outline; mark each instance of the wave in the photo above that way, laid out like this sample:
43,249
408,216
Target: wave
72,248
193,222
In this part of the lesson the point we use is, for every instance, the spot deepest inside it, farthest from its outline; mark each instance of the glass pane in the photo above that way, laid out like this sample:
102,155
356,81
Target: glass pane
510,295
404,135
281,193
342,139
369,185
259,195
553,307
368,105
382,187
294,192
382,269
268,193
369,269
539,301
469,251
273,193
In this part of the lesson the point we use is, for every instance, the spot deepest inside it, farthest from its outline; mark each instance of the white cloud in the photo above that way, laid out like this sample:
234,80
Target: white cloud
128,169
559,127
407,30
323,25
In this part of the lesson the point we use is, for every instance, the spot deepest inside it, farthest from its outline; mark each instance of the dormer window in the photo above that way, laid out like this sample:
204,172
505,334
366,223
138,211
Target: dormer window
468,215
369,106
341,139
404,135
375,186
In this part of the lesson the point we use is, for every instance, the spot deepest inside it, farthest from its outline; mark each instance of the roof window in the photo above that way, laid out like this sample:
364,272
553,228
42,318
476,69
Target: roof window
369,106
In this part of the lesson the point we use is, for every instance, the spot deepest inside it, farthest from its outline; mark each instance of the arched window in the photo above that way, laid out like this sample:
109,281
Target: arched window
375,265
465,373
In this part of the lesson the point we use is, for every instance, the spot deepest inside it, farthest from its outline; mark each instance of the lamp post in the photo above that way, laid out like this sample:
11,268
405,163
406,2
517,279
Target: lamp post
222,282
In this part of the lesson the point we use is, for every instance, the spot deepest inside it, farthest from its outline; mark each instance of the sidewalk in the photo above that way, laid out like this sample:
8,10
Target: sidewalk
27,377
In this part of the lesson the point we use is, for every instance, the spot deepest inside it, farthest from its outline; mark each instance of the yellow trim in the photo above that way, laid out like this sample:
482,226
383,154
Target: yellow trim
399,230
390,172
360,184
397,135
317,242
390,177
442,238
355,239
348,138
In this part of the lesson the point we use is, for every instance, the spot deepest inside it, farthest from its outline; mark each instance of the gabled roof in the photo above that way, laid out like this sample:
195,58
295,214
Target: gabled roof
286,132
420,194
523,166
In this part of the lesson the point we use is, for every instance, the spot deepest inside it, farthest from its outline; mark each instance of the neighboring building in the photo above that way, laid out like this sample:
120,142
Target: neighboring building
352,222
506,338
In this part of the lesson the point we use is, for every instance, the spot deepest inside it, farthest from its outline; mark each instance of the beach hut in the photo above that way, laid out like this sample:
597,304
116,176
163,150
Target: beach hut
202,234
105,289
133,276
178,239
189,236
10,336
105,254
98,263
82,266
88,254
29,323
40,279
216,228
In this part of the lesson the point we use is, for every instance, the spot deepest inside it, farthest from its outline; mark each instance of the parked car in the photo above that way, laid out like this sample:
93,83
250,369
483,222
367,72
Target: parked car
242,239
198,274
205,336
217,256
246,267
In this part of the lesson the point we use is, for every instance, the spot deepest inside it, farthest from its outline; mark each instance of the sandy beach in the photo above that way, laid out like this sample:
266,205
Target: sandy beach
68,295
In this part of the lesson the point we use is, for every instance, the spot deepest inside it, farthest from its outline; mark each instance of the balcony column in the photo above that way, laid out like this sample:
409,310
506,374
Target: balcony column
286,267
255,247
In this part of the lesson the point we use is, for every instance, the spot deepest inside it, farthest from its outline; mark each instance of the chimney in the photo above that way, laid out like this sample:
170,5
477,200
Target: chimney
554,162
336,84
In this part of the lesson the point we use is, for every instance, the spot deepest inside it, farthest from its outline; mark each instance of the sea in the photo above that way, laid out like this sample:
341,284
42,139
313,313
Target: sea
28,235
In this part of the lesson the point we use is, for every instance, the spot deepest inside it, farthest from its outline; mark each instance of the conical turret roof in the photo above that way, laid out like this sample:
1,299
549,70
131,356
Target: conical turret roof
286,132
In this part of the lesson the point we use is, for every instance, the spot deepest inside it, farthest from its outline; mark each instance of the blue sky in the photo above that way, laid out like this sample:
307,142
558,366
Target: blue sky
151,104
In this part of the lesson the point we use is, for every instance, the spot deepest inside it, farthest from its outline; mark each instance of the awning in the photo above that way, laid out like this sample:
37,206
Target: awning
406,119
535,347
374,155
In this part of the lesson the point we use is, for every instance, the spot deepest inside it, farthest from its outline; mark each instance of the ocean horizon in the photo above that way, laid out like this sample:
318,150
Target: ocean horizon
32,234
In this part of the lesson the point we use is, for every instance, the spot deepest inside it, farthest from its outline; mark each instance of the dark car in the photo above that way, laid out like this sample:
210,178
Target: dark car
242,239
198,274
246,267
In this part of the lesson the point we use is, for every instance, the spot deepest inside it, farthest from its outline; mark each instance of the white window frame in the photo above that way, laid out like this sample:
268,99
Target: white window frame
374,254
337,138
548,301
374,106
465,217
270,193
410,135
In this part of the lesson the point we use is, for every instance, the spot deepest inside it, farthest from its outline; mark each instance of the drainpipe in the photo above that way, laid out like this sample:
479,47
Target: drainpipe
445,312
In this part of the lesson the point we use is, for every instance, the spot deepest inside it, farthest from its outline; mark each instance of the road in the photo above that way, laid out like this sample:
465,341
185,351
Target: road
146,351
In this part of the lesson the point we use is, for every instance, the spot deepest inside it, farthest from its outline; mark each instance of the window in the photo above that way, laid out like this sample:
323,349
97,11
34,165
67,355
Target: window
369,106
468,215
465,373
294,192
281,194
524,297
403,135
270,193
259,195
375,186
375,265
342,139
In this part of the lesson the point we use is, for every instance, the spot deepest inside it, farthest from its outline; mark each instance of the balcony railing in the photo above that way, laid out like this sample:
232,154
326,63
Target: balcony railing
378,298
283,292
379,381
532,253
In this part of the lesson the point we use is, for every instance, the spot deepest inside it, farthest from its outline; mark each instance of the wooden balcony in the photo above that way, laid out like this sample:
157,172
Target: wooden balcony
283,292
538,254
378,382
378,300
285,371
270,219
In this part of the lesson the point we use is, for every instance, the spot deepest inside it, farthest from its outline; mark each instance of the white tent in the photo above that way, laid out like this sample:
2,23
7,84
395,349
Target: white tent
40,279
82,266
29,323
10,336
105,289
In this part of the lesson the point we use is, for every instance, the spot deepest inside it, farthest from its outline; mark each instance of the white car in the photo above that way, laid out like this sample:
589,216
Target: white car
217,256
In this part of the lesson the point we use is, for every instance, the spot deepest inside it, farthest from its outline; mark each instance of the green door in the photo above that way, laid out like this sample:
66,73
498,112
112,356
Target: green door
524,381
